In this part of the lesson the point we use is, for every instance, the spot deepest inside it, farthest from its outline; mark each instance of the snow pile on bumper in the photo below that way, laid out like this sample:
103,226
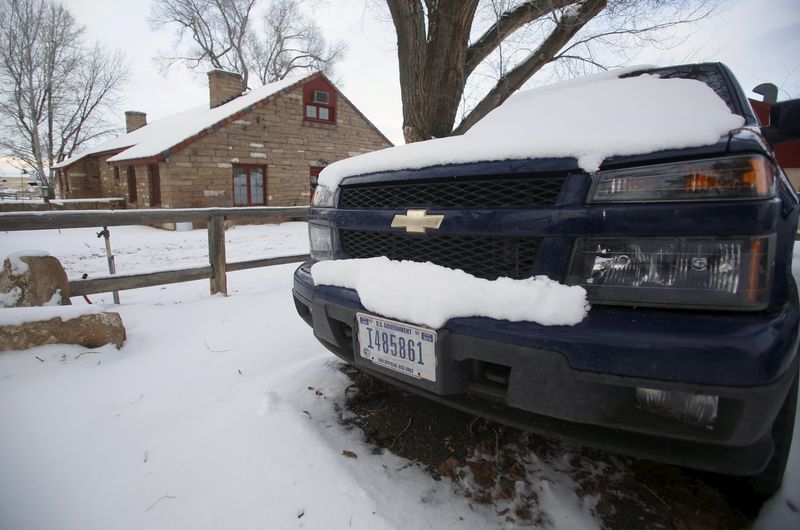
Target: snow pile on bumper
424,293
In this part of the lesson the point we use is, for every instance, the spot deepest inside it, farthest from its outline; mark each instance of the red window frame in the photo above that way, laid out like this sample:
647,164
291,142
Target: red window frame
132,196
248,169
316,107
154,182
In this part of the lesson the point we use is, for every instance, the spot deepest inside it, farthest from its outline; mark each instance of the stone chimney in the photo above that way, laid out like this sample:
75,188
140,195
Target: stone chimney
223,86
134,120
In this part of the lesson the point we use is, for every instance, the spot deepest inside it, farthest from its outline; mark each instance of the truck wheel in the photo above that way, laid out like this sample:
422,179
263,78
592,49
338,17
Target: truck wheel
753,491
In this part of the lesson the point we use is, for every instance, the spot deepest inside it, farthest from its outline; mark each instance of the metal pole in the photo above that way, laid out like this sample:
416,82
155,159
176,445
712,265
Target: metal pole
111,268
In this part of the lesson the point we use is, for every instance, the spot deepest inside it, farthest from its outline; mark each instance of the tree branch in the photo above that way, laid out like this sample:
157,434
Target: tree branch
568,25
508,23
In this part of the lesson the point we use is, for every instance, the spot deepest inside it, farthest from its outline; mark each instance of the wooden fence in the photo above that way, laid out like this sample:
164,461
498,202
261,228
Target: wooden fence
215,218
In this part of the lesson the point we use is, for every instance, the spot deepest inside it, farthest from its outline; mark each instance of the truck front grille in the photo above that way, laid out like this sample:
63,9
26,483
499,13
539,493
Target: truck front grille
483,256
482,192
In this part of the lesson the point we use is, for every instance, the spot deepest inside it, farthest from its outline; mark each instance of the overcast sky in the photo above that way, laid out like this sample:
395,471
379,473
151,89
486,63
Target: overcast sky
758,39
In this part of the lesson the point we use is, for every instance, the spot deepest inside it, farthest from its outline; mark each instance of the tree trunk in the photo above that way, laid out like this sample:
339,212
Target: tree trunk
432,63
436,58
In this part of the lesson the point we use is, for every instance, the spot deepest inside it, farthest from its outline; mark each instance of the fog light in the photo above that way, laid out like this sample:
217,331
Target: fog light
694,409
320,242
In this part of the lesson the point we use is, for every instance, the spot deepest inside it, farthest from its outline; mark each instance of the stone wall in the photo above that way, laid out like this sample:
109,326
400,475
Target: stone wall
110,185
83,179
274,135
113,187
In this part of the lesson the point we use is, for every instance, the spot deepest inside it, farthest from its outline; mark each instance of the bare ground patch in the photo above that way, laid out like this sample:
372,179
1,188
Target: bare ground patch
509,469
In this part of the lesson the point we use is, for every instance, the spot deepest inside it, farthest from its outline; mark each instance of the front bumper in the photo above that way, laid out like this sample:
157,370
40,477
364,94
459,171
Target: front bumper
579,383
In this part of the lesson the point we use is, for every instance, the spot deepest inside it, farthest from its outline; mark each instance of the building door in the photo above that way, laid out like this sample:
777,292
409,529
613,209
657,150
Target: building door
132,184
154,181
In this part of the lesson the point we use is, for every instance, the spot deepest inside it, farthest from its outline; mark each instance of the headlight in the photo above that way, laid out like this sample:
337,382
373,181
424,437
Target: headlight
320,241
323,197
730,273
735,177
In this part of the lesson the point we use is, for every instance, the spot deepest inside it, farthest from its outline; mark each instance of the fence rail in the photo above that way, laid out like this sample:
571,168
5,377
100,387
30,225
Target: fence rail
215,271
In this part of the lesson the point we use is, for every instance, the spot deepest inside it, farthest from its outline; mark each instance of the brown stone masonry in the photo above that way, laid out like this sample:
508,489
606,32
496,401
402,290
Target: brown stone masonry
135,120
275,135
223,86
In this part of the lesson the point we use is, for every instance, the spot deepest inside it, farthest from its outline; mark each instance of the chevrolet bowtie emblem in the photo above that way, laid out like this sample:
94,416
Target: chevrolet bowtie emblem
417,221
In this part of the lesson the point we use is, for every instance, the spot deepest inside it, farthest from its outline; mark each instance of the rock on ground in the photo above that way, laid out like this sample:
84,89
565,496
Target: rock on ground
43,283
91,331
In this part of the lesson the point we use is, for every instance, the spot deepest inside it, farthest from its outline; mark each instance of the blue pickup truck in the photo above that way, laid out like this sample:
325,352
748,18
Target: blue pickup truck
688,354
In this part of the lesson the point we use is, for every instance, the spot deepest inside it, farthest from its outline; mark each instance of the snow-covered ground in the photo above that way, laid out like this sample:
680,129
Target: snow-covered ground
216,413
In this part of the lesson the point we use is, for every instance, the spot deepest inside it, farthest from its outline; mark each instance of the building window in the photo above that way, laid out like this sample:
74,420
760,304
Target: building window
131,184
154,182
116,173
320,113
249,185
320,96
319,101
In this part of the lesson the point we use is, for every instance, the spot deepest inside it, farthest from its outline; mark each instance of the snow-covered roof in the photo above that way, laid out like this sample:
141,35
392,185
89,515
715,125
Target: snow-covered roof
159,136
590,119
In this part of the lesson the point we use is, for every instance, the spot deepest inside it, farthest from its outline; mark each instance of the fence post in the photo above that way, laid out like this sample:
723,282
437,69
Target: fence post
216,254
112,269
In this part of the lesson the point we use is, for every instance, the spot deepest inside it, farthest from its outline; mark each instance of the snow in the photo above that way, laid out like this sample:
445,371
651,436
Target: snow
204,418
22,200
160,135
55,299
8,299
589,119
16,316
19,267
145,249
78,201
431,295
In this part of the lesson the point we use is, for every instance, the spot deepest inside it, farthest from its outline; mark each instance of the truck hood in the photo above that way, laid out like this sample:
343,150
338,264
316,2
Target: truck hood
591,122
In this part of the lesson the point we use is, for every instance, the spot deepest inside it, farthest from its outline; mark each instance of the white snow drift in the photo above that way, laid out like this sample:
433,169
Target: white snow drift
424,293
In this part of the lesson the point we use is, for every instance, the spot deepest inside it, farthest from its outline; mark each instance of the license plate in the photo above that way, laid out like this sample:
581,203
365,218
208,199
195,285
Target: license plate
410,350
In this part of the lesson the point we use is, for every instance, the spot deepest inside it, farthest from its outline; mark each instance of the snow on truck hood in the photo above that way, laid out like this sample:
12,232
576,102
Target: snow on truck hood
589,119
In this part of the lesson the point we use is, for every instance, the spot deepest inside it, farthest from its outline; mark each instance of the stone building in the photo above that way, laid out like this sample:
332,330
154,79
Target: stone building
263,147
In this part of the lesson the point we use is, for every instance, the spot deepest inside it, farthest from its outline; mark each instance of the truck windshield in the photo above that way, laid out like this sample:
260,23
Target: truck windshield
707,73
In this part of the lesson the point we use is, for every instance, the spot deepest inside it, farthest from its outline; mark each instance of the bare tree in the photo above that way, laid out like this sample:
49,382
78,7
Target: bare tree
288,42
442,43
222,34
211,32
54,90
